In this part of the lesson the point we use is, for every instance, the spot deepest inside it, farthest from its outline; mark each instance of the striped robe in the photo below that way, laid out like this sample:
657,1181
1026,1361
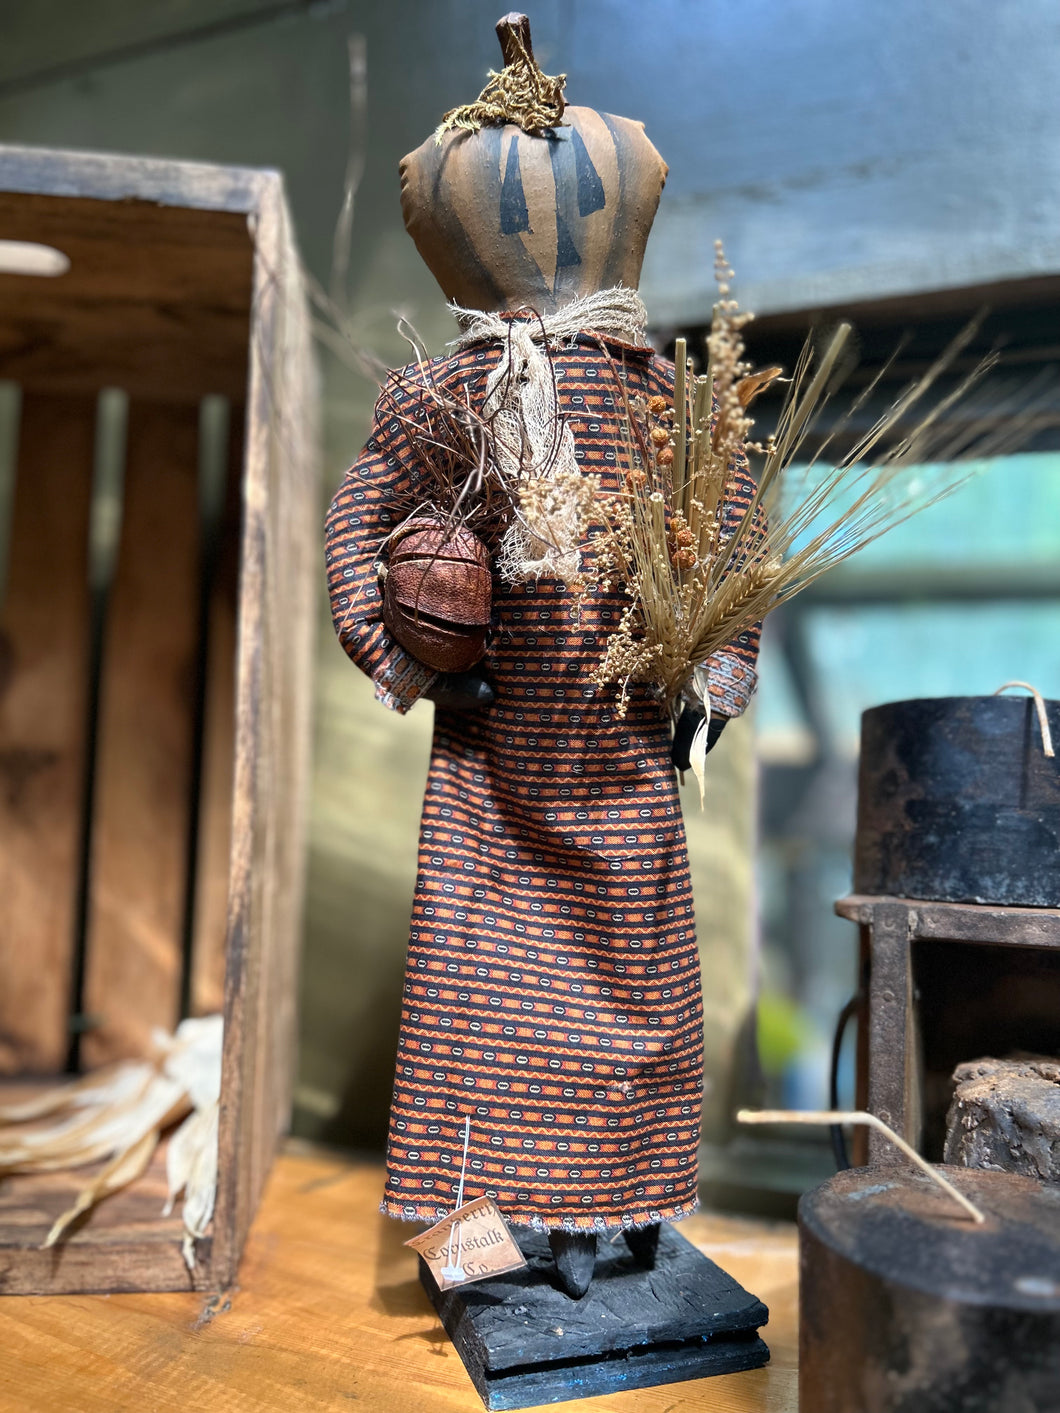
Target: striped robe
552,988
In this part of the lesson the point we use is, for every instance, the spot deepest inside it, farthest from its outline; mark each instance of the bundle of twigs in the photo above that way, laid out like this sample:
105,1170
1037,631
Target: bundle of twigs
457,481
487,472
696,571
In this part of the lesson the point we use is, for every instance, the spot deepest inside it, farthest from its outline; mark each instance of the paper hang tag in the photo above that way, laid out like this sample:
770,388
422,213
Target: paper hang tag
468,1245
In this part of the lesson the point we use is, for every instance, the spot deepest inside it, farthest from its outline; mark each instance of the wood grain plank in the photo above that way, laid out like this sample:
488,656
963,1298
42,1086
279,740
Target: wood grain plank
103,176
329,1314
140,821
168,320
214,840
274,675
963,922
125,1243
43,698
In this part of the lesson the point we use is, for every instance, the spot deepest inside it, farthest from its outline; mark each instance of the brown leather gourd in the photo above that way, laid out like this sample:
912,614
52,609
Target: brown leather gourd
437,593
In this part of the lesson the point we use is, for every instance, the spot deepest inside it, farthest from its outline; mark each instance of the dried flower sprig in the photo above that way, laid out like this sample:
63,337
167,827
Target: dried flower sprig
699,563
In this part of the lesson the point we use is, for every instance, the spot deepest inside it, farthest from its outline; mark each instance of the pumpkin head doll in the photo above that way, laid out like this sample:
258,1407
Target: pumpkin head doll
552,994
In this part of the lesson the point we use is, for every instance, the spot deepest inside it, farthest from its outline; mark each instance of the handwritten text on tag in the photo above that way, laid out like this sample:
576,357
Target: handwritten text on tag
469,1244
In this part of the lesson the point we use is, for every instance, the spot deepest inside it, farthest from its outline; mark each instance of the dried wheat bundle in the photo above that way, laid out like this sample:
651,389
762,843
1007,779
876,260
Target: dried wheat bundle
116,1116
697,571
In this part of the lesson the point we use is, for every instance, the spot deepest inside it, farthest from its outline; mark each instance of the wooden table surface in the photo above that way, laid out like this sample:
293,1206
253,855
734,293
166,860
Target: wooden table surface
329,1314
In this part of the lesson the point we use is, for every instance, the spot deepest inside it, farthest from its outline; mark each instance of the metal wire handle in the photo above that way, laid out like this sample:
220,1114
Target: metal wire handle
1039,706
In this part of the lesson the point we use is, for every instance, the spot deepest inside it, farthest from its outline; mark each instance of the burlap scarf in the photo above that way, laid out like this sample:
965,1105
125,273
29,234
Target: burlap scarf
532,444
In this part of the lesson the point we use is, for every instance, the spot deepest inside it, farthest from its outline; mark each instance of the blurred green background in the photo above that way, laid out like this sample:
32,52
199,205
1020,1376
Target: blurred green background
848,155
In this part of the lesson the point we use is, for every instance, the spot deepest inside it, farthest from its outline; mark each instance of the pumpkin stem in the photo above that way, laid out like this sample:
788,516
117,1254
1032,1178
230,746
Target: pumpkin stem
513,31
519,94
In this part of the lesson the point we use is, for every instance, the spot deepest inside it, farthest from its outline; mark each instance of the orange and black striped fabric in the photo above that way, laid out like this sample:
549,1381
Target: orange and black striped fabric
552,988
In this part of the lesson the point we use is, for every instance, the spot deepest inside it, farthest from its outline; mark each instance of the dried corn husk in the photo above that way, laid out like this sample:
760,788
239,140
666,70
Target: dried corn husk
116,1116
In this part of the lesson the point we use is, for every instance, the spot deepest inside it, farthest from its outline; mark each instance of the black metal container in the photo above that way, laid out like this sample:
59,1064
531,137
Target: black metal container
958,802
907,1307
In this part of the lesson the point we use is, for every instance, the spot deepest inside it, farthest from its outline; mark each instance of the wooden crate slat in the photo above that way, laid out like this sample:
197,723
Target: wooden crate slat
168,320
143,784
219,744
124,1243
276,634
43,705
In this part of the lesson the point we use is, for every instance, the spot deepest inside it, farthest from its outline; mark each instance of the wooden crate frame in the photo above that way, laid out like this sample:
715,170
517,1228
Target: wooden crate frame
185,282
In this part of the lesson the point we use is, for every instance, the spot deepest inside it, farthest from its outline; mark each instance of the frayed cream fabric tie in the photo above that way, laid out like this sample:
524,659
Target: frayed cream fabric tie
534,447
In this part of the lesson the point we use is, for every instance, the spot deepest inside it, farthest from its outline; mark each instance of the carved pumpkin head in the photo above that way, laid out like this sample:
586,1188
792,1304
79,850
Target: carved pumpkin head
506,218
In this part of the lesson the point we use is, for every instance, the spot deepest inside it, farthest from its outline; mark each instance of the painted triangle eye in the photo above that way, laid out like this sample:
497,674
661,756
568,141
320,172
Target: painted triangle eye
566,250
514,214
590,188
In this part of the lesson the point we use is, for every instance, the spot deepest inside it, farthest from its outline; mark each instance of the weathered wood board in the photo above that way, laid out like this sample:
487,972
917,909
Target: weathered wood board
214,834
167,320
43,697
125,1243
140,825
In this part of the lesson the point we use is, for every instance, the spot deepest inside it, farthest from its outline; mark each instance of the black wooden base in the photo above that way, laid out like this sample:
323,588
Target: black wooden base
526,1343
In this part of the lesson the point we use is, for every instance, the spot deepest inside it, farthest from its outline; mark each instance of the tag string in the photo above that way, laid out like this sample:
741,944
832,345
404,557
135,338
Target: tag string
463,1165
453,1262
455,1229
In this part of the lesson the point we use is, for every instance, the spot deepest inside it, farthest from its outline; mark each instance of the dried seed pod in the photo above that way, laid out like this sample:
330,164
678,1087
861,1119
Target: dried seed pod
684,558
684,537
438,593
665,456
660,436
636,477
658,405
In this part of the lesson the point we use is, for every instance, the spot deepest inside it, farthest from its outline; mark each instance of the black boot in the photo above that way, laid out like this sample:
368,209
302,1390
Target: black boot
643,1242
575,1255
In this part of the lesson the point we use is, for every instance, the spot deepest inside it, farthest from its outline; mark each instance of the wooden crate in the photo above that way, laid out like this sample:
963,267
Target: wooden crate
154,722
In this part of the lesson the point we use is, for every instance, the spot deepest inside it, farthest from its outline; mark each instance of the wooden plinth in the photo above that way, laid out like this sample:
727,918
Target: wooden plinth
524,1342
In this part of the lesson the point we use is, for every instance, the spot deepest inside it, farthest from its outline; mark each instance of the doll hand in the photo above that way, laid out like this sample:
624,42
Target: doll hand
461,691
686,728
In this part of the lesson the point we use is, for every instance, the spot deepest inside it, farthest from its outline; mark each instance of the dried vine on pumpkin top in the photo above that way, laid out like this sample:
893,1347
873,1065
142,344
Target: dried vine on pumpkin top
521,93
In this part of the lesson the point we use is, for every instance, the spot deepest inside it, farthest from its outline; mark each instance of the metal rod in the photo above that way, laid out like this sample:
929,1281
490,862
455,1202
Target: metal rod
858,1116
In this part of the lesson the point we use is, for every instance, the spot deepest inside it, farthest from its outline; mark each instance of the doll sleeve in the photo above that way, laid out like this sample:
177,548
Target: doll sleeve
732,670
368,505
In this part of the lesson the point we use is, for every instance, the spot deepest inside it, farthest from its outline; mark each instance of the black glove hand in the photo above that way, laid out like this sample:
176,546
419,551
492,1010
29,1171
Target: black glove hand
687,726
461,691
